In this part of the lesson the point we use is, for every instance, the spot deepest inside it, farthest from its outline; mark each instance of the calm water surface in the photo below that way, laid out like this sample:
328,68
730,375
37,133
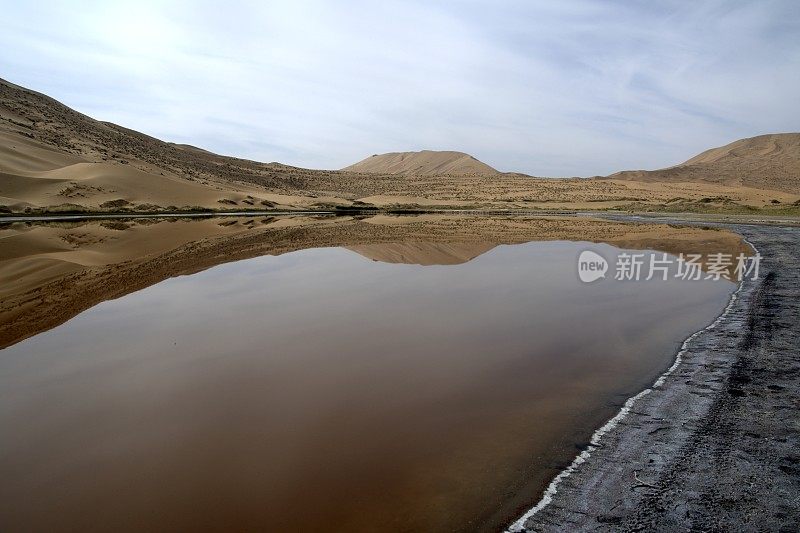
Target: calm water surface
320,390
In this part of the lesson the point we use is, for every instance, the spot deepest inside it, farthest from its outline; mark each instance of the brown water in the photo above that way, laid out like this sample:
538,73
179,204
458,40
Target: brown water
323,391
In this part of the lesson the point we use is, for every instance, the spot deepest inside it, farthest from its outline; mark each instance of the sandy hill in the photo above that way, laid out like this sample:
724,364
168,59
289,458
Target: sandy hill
136,165
52,155
33,115
763,162
424,163
55,159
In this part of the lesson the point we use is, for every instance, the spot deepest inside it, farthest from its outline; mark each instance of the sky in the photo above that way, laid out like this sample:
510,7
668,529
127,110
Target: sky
549,88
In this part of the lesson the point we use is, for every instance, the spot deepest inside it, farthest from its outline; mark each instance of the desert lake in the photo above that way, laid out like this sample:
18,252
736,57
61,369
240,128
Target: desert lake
382,387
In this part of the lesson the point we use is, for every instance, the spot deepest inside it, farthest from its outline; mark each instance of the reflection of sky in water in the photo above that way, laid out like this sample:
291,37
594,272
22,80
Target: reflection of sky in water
515,301
440,358
337,296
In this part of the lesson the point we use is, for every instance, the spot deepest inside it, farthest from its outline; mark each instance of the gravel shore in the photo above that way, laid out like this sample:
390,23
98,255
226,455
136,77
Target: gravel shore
716,447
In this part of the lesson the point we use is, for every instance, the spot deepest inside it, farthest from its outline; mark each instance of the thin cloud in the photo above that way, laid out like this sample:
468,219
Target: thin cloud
547,88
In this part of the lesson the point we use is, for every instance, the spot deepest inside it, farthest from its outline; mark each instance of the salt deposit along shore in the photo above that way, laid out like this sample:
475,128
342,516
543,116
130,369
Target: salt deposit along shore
714,447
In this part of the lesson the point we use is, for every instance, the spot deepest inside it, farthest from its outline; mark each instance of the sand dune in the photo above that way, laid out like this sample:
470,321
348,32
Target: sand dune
39,134
33,175
55,159
424,163
36,174
764,162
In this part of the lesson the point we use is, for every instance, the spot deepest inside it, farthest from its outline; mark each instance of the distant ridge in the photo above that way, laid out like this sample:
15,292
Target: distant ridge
424,163
765,162
54,159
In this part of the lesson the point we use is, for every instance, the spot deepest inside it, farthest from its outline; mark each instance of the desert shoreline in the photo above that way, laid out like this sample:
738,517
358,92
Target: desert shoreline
372,267
620,417
685,218
176,214
665,464
94,286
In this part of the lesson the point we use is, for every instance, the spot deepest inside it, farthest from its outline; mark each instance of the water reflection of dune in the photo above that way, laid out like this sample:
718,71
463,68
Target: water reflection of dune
423,253
51,271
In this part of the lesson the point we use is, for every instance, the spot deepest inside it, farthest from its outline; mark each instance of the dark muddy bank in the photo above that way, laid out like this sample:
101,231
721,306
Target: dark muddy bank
716,448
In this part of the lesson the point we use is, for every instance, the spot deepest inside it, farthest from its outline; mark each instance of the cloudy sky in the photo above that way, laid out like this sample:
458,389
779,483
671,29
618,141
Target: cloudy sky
556,88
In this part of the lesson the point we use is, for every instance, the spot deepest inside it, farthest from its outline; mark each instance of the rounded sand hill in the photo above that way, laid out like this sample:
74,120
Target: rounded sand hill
424,163
763,162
